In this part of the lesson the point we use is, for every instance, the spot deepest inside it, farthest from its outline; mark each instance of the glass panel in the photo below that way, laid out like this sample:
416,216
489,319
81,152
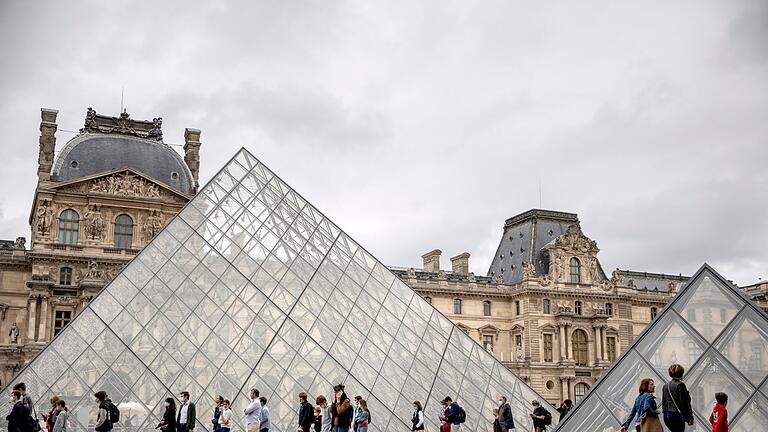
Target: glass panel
592,415
753,417
711,375
708,306
671,340
745,345
619,388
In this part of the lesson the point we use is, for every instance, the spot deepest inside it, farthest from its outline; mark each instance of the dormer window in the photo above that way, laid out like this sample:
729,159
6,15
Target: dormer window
575,270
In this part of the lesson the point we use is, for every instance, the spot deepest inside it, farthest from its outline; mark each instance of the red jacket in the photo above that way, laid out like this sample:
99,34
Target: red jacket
719,418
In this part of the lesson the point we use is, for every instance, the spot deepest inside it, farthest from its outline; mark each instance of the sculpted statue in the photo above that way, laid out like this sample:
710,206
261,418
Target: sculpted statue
14,334
616,278
529,271
592,270
126,185
94,223
519,354
93,271
44,216
20,243
152,225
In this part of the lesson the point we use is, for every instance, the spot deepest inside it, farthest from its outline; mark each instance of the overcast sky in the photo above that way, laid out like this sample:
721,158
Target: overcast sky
422,125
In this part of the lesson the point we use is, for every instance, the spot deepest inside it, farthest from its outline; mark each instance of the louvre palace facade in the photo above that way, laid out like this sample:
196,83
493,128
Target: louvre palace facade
546,308
107,192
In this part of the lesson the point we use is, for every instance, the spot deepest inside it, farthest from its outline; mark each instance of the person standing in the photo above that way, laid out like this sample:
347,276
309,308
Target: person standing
26,400
226,417
185,420
538,415
265,422
452,414
565,408
363,418
341,411
50,418
218,400
676,401
645,403
719,417
18,419
168,423
327,422
253,412
62,417
317,423
496,424
102,418
417,420
305,411
506,421
356,410
444,425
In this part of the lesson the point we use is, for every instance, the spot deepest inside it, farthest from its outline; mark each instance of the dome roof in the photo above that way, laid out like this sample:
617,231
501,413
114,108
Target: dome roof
89,154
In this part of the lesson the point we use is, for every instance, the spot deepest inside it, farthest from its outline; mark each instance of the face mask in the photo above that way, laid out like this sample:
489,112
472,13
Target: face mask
501,401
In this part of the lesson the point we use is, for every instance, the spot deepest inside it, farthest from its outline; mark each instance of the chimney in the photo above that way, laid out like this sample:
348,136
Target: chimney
48,129
192,152
460,263
432,261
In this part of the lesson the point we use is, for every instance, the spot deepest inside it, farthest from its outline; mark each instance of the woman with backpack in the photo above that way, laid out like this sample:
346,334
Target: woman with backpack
102,419
676,401
62,418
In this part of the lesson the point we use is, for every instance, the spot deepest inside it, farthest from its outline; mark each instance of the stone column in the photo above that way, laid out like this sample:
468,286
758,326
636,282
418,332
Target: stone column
32,319
561,342
604,339
598,345
192,152
564,388
48,129
42,335
568,342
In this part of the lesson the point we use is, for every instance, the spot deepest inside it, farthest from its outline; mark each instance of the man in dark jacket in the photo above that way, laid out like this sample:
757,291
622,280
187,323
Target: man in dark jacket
306,413
506,421
185,419
217,413
565,408
18,419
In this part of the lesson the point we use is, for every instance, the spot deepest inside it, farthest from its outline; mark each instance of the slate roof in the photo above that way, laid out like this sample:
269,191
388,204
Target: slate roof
523,242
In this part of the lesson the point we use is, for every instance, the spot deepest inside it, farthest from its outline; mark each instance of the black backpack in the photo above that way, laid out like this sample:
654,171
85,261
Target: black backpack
461,415
114,413
547,418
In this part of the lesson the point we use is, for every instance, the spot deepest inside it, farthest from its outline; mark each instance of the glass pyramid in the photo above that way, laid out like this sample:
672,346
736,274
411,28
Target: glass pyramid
711,329
251,287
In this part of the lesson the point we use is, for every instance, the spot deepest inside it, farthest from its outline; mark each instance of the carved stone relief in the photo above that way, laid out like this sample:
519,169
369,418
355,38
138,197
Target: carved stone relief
94,222
44,217
125,184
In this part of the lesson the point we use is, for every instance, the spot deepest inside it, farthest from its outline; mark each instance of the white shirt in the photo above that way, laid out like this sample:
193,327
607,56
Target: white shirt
183,414
325,424
253,412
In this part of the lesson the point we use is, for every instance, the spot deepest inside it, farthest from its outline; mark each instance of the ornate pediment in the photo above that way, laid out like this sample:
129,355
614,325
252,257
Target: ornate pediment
575,241
125,182
123,124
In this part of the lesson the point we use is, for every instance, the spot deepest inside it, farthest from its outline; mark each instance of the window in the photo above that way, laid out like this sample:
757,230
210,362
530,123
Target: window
428,299
457,306
65,276
518,340
517,307
577,307
575,271
654,312
69,225
487,308
488,343
548,348
547,309
580,347
123,231
62,318
609,309
579,390
611,348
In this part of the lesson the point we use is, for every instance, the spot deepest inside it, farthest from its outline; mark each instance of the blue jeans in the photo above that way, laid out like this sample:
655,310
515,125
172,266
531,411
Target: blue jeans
674,421
341,429
181,427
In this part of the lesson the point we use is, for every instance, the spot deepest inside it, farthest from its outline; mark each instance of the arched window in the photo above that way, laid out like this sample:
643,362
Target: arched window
69,225
65,276
575,271
579,390
487,307
580,347
609,309
577,307
457,306
547,306
123,231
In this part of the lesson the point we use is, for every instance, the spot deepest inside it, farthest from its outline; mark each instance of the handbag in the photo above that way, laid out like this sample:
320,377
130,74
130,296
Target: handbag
650,423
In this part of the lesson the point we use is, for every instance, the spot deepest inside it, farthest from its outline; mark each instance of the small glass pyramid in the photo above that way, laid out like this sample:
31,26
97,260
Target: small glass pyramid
713,330
251,286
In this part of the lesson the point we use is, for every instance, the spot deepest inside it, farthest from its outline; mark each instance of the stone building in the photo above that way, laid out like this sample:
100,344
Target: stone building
108,191
546,308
